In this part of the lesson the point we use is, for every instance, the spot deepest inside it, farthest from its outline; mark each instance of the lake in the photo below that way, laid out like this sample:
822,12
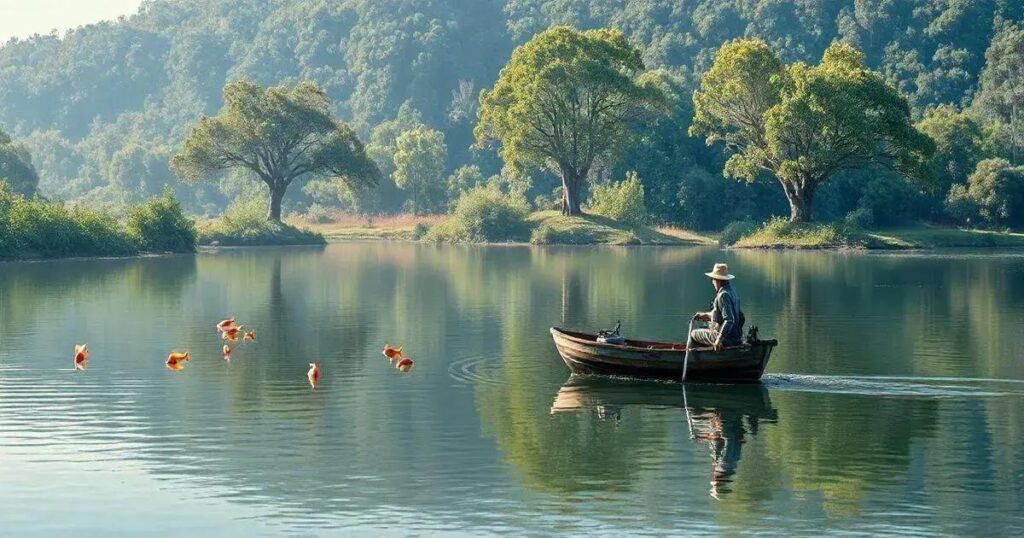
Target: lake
893,404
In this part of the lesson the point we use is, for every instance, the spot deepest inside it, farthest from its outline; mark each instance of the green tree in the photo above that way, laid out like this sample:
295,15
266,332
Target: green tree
959,144
802,123
462,180
420,157
280,135
1001,94
995,192
565,100
16,166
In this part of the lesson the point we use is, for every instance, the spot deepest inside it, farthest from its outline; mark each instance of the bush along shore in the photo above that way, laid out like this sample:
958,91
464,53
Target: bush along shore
779,233
245,223
38,228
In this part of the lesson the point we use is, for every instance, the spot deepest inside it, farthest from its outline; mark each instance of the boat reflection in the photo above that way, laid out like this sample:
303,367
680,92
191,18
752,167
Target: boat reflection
719,416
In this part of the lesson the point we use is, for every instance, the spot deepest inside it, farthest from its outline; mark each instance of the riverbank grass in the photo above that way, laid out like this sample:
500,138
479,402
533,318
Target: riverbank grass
554,228
779,233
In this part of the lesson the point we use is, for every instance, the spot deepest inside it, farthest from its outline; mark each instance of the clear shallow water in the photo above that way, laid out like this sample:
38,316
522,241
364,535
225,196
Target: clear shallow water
893,404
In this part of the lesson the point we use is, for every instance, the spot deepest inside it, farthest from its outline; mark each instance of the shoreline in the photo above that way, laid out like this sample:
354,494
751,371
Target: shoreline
916,239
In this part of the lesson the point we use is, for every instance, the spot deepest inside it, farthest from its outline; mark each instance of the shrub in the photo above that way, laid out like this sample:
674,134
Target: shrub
544,235
420,230
159,225
862,218
736,230
318,214
622,201
245,223
995,192
38,228
779,231
483,215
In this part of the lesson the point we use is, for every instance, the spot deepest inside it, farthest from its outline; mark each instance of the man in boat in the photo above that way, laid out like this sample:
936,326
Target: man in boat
724,323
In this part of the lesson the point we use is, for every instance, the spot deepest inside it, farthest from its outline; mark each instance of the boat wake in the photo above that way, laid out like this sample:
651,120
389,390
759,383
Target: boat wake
895,386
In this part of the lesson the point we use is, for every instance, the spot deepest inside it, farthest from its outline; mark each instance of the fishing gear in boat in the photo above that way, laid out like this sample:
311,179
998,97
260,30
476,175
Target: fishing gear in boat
612,336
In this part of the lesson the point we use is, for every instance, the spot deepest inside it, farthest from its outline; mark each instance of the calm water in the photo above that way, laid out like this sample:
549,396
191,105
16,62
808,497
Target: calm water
893,404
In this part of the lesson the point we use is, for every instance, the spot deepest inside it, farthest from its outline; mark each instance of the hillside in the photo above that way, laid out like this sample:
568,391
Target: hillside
102,108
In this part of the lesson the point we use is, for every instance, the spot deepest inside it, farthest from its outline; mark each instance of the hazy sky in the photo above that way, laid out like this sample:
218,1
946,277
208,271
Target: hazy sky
23,18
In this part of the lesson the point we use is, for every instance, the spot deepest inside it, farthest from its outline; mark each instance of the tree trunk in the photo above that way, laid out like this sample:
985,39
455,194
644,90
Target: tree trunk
571,193
274,204
800,204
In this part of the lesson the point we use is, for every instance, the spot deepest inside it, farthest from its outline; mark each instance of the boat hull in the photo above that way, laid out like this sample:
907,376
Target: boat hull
584,355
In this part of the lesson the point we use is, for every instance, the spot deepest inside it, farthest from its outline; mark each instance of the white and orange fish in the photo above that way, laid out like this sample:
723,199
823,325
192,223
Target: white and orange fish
227,352
249,336
313,374
81,356
176,361
231,333
392,353
404,364
224,324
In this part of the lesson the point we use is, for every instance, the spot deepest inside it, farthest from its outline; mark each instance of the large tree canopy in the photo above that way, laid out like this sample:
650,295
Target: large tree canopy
803,124
280,135
565,100
16,166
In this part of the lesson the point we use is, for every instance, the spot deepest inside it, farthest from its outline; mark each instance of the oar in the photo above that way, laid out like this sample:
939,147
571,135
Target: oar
689,421
689,345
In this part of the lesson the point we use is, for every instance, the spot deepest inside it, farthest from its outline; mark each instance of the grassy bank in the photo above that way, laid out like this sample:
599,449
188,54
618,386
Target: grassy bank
781,234
551,227
245,224
554,227
37,228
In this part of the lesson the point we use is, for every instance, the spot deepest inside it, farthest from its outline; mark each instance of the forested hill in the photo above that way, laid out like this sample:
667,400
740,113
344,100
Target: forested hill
102,108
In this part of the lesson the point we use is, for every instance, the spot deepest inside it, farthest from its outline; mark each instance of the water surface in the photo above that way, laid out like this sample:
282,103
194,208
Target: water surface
893,404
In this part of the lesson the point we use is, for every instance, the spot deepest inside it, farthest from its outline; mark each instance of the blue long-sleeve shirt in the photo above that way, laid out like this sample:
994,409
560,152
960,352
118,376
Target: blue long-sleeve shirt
725,315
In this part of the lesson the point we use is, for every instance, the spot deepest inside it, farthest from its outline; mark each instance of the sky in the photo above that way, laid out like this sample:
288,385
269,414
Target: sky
22,18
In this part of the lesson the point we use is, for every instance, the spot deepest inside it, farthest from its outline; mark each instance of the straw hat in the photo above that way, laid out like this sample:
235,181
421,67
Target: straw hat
720,272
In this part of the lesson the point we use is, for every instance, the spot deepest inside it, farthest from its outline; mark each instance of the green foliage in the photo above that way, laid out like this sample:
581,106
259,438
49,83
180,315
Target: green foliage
38,228
781,232
994,192
464,179
16,168
565,100
803,124
483,215
245,224
280,135
420,157
103,107
959,144
736,230
159,225
1001,93
622,201
862,218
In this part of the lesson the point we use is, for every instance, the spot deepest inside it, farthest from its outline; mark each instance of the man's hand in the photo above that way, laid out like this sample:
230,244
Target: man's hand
702,316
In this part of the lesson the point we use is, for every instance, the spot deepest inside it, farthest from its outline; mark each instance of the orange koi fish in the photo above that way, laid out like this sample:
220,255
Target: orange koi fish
405,364
176,361
392,353
313,374
250,336
231,333
81,355
226,323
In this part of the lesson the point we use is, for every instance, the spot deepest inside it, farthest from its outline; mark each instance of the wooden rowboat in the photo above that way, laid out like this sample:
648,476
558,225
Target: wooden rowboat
583,354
